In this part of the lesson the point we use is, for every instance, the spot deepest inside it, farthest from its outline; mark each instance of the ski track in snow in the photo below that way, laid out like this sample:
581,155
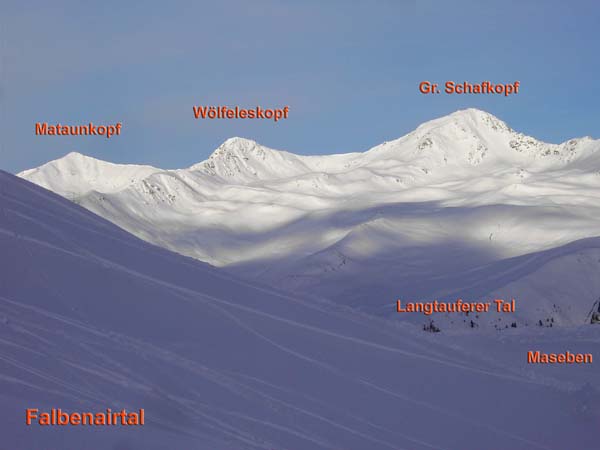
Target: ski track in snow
204,297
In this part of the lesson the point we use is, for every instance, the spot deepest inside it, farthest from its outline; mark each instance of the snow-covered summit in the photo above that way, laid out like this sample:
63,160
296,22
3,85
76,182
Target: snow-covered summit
75,174
473,118
245,160
473,137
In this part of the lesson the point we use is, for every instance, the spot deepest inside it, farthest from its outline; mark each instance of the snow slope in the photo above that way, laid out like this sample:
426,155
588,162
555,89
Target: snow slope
92,317
460,192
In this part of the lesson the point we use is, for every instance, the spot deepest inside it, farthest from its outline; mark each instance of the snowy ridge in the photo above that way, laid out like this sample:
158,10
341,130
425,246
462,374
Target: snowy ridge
459,192
91,317
438,148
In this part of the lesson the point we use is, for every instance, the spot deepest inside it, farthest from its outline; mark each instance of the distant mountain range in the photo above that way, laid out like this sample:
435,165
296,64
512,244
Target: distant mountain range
463,205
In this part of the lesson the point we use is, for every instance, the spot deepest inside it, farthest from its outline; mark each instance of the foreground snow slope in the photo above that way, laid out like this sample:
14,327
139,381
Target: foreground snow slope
91,317
458,193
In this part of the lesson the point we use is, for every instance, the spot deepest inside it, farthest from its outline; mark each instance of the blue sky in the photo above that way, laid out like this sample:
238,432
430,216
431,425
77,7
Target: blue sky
349,72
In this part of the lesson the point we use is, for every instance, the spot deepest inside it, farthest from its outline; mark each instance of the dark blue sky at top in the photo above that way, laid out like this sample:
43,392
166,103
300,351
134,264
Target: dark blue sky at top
348,70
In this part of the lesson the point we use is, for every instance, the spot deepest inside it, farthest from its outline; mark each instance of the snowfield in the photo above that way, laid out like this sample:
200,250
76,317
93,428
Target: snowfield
463,205
92,317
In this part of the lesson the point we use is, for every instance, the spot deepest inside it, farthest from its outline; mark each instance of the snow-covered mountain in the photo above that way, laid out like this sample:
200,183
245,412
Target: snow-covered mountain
407,218
93,318
76,174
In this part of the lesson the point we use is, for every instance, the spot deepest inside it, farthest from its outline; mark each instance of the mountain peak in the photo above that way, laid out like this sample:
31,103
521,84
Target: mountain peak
483,118
471,119
80,174
246,160
237,141
76,159
76,156
69,161
237,146
233,151
472,112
